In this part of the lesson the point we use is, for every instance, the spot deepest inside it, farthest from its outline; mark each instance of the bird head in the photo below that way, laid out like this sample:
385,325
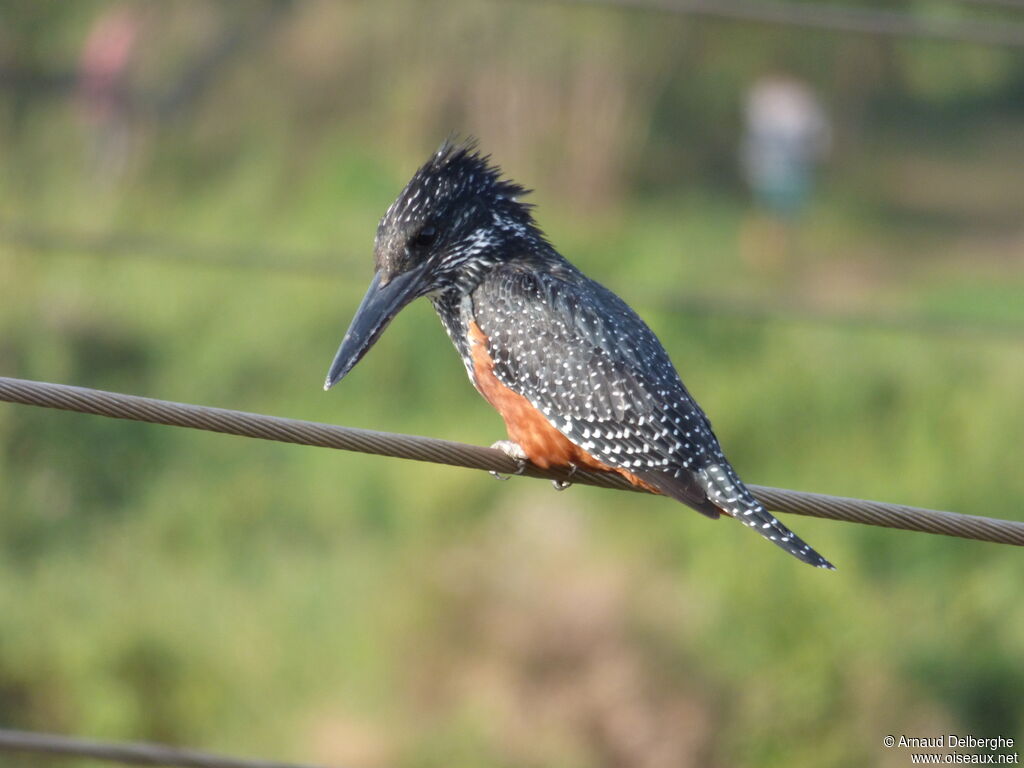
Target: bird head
456,217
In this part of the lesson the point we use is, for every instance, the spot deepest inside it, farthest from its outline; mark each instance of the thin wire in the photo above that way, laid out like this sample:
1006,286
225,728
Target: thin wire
136,246
312,263
1014,4
830,18
120,406
791,311
128,753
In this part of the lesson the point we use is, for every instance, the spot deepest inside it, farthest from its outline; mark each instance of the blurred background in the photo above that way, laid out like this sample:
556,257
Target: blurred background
825,228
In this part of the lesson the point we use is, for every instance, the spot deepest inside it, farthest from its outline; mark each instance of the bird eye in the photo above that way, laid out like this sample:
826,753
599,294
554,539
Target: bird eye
424,238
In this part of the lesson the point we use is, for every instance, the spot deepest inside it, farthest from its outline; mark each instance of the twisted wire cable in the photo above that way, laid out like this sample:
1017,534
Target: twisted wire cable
128,753
255,425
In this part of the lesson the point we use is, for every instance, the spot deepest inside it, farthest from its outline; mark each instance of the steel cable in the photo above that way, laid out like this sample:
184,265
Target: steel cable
121,406
128,753
830,18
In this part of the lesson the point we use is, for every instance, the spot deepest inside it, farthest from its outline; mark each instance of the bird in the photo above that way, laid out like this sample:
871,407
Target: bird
578,378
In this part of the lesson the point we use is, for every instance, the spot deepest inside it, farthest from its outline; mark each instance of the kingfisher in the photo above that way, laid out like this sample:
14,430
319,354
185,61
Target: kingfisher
578,378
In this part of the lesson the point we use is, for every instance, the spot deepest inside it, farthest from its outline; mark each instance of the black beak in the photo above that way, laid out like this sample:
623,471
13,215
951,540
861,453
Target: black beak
379,306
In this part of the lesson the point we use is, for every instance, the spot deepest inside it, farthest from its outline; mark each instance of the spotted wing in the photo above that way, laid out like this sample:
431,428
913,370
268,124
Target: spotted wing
600,376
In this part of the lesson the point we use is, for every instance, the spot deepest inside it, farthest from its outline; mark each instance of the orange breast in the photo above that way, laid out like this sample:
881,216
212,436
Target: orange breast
544,445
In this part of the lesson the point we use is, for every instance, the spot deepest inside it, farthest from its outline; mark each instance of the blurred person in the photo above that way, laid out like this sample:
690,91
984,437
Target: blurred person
787,134
101,92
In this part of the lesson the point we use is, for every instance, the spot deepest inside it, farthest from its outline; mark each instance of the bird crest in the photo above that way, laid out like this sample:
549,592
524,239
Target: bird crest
454,174
458,199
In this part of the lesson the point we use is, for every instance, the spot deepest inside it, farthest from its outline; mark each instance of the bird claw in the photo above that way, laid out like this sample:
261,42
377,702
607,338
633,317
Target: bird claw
514,452
561,485
520,468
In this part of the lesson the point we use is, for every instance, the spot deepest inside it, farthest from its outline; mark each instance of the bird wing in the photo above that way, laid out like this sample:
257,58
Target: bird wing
600,376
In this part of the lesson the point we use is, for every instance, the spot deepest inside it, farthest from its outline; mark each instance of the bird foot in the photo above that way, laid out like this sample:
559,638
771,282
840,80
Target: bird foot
515,452
561,485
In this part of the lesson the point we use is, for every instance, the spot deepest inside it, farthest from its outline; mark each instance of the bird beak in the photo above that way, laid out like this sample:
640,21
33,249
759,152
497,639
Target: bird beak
383,300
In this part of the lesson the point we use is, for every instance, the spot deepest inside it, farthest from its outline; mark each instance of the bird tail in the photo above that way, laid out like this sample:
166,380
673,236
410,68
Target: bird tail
754,514
724,492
